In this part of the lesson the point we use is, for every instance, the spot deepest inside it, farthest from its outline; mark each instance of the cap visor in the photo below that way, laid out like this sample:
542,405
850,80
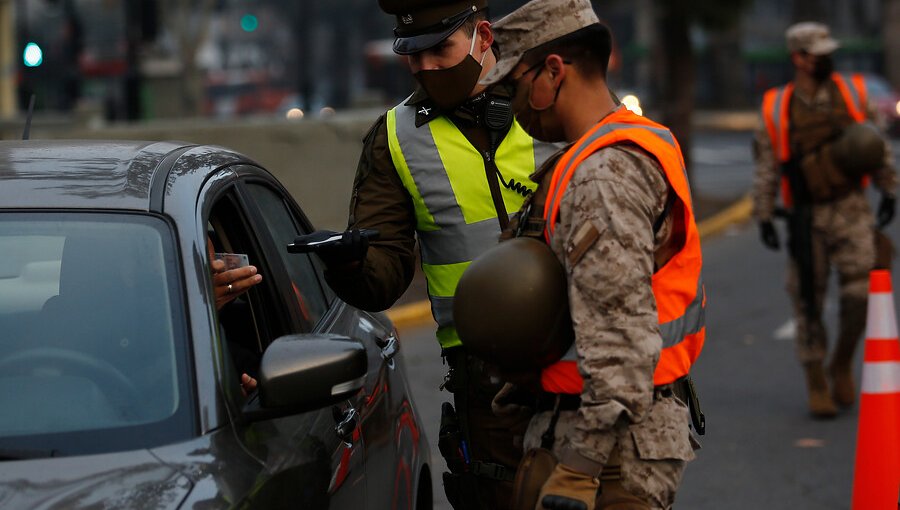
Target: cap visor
417,43
825,47
502,68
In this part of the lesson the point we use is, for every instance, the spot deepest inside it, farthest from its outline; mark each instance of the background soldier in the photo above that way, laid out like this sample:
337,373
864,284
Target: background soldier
444,166
811,141
617,212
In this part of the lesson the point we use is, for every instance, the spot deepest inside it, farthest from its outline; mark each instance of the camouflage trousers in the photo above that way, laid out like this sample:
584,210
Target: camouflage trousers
647,469
843,239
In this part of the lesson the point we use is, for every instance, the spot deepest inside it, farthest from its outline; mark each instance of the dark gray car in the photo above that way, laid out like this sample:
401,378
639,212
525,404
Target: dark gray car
120,381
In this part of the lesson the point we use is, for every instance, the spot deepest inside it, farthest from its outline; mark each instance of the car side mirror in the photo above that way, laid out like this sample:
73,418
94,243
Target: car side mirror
300,373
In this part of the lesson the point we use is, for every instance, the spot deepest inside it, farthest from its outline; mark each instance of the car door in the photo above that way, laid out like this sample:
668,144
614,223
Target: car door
374,408
301,460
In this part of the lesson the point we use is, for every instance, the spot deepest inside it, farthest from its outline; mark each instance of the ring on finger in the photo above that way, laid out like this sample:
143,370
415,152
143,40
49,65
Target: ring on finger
229,288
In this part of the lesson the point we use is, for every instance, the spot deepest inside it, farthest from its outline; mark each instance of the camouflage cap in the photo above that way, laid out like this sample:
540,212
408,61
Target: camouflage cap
533,24
422,24
810,37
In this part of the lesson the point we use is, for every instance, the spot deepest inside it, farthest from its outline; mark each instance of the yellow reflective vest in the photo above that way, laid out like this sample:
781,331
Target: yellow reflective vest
456,220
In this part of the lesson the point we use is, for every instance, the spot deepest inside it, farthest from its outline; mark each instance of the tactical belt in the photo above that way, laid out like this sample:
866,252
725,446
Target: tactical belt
547,402
493,471
567,402
683,388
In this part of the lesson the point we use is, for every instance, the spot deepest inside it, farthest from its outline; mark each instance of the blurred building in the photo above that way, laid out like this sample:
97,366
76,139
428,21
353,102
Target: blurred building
142,59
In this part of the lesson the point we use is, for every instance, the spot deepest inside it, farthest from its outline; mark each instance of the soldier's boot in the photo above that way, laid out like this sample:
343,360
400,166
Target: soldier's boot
843,388
853,314
820,403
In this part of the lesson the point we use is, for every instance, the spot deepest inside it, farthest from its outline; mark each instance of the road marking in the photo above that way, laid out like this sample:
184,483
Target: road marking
809,442
786,331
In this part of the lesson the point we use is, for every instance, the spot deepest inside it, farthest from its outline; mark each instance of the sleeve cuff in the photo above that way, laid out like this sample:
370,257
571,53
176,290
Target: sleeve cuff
594,449
575,460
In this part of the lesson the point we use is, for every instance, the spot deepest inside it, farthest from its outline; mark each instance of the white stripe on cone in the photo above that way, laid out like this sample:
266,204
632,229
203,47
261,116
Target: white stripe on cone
881,377
880,322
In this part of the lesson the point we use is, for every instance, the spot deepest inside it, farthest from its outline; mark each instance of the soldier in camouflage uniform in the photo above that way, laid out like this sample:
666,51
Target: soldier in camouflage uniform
820,105
620,220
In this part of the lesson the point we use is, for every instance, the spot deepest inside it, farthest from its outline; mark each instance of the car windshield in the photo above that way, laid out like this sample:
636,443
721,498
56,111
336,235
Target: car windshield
92,343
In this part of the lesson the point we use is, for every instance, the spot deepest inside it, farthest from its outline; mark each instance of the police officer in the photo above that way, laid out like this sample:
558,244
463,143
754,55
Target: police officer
805,147
616,211
446,166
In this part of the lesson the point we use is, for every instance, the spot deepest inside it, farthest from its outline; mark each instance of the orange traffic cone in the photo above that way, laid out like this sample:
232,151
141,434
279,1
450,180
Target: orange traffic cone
876,480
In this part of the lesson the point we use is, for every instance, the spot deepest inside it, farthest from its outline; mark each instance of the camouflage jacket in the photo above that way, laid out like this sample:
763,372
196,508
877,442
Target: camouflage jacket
767,178
620,191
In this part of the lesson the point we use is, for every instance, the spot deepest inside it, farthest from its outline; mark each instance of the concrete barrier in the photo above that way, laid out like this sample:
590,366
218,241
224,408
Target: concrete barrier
315,159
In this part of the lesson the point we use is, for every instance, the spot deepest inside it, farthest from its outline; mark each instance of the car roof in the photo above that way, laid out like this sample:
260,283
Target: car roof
105,174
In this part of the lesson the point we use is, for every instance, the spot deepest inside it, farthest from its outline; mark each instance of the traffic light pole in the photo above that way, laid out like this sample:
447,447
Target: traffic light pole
8,61
132,85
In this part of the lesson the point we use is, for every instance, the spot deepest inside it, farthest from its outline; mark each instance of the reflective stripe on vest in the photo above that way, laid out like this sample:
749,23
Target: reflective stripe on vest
455,215
776,110
677,286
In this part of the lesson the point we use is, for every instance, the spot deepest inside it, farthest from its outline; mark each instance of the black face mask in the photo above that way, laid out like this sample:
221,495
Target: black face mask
823,68
450,87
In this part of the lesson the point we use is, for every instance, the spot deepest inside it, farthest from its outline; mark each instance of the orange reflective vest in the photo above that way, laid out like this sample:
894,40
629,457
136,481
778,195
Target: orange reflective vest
677,286
776,109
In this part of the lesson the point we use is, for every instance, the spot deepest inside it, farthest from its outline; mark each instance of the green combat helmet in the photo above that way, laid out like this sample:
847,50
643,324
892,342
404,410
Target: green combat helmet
511,306
859,150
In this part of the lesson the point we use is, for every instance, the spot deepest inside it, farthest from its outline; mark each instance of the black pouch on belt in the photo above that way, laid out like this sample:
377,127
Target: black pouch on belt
684,389
450,441
460,484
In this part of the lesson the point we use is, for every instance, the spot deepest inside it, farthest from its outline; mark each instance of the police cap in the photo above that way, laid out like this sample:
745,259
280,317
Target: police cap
422,24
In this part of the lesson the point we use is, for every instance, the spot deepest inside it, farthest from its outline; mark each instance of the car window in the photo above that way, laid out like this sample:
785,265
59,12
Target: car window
92,340
252,320
305,280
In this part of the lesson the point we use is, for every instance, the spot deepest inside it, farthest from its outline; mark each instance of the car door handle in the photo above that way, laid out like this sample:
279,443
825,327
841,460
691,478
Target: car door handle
389,348
346,423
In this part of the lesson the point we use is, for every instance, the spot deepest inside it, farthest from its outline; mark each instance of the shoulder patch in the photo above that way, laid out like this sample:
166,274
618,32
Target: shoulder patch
584,238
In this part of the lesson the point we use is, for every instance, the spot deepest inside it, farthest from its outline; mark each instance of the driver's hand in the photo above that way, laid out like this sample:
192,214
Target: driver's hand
248,384
229,284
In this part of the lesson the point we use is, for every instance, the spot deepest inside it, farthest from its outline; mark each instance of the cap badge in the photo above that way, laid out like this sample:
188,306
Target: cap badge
406,19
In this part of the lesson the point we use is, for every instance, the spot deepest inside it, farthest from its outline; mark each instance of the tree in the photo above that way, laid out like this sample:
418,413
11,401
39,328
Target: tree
677,72
189,23
891,38
808,10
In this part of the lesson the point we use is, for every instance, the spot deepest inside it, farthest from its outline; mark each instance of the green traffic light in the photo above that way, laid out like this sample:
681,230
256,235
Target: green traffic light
33,56
249,22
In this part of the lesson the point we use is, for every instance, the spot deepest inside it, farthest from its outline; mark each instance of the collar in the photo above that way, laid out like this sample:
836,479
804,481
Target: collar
426,110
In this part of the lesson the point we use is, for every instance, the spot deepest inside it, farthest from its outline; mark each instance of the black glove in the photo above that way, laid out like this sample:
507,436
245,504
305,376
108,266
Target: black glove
335,248
886,210
769,235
